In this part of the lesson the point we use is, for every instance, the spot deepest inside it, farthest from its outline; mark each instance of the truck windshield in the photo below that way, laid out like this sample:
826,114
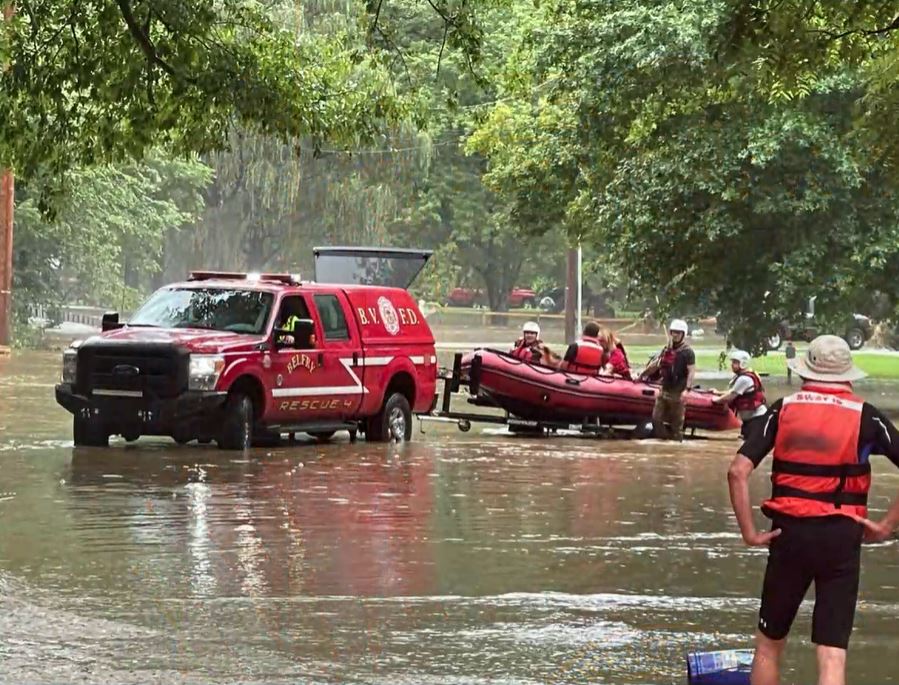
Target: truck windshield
238,311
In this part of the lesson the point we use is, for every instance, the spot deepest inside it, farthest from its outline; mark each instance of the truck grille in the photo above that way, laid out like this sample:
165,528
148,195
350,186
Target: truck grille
153,370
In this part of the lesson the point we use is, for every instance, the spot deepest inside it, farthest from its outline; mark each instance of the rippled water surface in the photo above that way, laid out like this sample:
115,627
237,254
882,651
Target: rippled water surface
458,558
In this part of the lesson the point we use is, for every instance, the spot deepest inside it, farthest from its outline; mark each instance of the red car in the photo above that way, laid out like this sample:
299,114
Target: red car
241,358
469,297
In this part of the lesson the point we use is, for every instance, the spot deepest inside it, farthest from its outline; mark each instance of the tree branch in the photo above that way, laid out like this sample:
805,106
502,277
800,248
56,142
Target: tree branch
831,35
442,46
143,40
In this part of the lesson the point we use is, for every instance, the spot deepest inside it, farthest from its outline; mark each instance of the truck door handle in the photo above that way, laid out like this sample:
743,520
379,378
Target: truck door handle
321,358
355,359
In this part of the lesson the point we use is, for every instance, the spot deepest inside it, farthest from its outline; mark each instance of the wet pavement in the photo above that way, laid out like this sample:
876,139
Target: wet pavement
458,558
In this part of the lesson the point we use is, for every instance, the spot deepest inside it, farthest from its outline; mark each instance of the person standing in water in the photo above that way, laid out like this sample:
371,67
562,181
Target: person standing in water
822,438
676,364
745,394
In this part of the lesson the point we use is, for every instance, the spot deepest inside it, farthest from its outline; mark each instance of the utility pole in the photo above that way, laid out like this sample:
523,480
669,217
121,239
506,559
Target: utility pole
571,296
7,206
7,203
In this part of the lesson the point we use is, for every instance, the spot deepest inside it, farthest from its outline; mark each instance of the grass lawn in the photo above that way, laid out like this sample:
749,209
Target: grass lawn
875,364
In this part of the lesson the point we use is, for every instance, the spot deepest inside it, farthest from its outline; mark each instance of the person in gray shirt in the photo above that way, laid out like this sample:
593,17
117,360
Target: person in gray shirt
745,394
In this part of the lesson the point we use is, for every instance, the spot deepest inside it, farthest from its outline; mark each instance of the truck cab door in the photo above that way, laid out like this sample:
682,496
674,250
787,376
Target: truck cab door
296,370
340,352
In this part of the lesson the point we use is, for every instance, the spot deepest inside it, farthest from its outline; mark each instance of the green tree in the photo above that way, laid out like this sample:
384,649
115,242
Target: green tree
106,241
650,130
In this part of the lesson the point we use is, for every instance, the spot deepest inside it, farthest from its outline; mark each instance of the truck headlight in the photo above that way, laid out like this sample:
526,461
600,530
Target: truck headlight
205,370
69,365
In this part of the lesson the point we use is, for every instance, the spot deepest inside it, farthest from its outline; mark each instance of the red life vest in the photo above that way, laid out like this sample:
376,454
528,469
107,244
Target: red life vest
588,357
816,470
749,401
527,353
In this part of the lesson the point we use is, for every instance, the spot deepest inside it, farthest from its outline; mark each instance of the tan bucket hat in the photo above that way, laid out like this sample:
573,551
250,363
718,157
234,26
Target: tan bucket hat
828,359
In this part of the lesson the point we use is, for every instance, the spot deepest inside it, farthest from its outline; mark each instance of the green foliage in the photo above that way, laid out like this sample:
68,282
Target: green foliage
661,133
105,243
105,80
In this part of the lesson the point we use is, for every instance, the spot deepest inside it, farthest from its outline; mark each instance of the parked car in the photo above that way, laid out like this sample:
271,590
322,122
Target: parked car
469,297
857,330
553,301
242,358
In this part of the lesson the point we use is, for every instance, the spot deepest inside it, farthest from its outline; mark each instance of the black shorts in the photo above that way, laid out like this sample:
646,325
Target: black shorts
826,550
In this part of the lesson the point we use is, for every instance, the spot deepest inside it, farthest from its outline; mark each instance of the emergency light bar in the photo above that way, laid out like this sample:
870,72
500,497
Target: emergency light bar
287,279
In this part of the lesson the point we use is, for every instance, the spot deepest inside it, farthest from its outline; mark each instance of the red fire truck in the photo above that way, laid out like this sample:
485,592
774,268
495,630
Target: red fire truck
242,358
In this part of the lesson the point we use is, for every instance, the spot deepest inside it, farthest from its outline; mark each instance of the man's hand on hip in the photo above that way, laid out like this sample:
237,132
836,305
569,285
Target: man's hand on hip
756,539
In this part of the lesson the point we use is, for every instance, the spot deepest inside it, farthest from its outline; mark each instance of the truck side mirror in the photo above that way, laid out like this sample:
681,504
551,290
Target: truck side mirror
110,321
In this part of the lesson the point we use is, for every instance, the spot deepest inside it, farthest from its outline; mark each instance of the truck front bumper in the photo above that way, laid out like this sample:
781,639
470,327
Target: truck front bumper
191,413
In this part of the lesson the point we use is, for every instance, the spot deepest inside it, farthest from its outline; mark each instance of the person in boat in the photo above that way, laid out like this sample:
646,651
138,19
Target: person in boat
675,365
529,347
614,359
822,438
586,355
745,394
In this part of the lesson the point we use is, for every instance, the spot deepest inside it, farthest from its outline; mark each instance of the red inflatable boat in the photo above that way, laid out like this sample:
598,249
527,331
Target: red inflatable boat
539,393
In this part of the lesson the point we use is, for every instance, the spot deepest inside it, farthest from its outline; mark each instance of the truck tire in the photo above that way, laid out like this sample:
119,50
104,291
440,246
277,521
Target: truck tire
237,424
88,433
855,338
393,422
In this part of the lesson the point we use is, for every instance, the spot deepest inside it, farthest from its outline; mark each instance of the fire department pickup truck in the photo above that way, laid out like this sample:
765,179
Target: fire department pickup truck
242,358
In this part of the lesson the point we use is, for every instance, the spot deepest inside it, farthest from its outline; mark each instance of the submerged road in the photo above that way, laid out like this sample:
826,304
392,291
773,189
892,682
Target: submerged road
458,558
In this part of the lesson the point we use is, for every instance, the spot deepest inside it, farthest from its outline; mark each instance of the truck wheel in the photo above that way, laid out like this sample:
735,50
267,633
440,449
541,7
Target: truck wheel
855,338
237,426
393,422
87,433
130,437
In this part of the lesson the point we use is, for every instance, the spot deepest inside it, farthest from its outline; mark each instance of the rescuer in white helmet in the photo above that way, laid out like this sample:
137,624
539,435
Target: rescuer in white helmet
675,366
745,393
529,347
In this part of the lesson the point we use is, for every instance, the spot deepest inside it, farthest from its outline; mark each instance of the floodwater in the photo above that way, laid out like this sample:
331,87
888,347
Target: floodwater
458,558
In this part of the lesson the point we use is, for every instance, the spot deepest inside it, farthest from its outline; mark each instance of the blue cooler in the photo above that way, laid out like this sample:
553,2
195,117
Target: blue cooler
730,667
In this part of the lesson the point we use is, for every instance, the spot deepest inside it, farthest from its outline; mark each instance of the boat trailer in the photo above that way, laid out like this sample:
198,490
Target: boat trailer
454,381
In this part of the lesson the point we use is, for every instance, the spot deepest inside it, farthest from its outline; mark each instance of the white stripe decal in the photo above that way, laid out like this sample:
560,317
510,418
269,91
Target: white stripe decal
356,389
417,360
317,390
808,397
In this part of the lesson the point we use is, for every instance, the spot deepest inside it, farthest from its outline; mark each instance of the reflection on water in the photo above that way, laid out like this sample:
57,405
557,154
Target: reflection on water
455,559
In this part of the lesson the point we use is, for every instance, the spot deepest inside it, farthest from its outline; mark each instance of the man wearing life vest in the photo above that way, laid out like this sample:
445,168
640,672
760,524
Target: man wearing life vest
529,347
585,355
745,394
822,438
676,365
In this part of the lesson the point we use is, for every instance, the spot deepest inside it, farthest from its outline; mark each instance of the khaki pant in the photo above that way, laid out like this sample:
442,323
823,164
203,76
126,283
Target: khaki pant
669,409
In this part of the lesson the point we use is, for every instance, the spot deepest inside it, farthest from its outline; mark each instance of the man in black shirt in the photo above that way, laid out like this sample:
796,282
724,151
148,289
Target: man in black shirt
676,364
822,438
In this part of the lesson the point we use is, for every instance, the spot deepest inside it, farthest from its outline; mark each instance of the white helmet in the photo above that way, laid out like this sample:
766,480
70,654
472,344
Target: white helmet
531,327
679,325
742,357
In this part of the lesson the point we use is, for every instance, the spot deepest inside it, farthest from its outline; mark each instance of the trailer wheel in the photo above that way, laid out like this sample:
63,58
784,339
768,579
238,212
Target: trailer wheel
643,431
393,422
